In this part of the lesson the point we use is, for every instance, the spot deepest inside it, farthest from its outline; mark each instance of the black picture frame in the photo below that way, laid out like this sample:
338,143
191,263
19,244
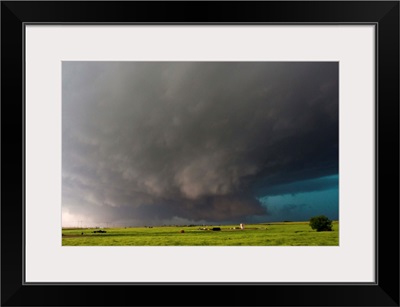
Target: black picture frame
383,14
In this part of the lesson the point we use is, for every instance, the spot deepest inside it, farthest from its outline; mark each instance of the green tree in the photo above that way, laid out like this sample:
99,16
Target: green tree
321,223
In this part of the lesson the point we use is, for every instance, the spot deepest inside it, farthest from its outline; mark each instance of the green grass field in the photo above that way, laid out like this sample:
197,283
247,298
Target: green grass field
266,234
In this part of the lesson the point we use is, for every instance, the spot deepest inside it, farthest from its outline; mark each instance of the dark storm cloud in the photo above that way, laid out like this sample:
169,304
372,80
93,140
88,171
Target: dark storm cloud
152,141
308,185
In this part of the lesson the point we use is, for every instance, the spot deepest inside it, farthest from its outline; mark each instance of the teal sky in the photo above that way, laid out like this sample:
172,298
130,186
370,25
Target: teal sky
321,196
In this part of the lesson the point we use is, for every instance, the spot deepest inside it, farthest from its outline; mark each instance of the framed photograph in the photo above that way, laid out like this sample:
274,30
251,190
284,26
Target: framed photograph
238,146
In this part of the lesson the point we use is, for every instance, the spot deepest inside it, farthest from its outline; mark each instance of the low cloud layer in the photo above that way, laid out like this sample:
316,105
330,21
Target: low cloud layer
152,142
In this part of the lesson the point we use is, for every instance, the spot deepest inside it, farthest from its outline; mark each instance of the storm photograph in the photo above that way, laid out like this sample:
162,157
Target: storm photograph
200,153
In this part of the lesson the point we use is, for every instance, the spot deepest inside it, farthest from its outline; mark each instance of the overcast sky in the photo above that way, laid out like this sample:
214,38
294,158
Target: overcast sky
155,143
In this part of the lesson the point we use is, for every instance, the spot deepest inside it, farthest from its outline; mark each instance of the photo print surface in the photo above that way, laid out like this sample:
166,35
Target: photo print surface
200,153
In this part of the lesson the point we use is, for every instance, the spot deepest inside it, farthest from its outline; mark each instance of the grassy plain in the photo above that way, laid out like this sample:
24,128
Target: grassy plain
266,234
